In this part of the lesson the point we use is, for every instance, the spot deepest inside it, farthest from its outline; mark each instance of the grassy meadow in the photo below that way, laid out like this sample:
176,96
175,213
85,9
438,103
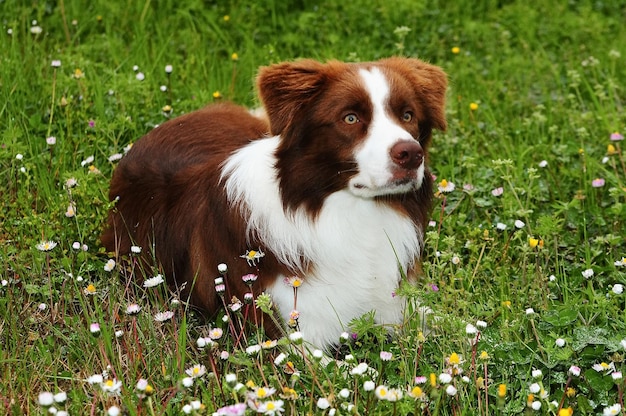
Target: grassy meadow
525,260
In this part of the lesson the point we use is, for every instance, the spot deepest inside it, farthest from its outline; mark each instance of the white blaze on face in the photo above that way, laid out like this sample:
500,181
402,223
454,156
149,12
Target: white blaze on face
375,176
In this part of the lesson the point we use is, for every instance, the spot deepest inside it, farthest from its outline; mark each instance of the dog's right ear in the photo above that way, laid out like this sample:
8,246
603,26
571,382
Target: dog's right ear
287,87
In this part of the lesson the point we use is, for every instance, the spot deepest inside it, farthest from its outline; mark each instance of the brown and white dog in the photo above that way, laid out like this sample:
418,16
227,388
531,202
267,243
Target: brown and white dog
331,185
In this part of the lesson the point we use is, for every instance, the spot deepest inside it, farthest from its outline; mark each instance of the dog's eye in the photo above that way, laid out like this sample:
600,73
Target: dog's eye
408,116
351,119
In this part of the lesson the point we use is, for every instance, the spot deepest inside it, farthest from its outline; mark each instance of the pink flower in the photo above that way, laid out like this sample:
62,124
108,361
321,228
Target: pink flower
420,380
597,183
616,137
233,409
249,278
497,191
574,370
385,355
163,316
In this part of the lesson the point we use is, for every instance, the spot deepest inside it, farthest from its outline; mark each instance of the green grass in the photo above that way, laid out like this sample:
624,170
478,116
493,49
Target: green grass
548,80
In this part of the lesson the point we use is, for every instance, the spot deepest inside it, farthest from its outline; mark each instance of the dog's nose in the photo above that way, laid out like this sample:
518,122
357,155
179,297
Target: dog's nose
407,154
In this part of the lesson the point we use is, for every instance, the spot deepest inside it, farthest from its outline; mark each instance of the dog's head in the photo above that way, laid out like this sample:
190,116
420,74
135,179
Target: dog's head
362,127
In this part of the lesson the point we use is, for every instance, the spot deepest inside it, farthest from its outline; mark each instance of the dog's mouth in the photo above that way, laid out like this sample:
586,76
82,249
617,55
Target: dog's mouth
396,185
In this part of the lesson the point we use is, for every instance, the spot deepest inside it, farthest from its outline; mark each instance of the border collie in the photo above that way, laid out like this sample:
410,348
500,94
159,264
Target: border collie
329,185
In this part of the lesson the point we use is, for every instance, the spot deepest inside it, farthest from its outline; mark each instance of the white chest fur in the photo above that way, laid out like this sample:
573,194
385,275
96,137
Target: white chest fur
355,246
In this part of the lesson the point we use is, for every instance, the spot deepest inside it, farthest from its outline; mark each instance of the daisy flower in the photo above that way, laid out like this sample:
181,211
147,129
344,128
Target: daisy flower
445,186
421,380
359,370
445,378
451,390
90,289
46,245
604,367
616,137
385,355
369,385
87,161
133,309
94,328
393,395
115,157
271,407
46,398
293,281
60,397
249,279
382,392
111,386
470,329
598,183
296,337
163,316
253,349
269,344
588,273
238,409
109,265
196,371
216,333
153,281
95,379
253,256
323,403
618,288
616,409
574,371
497,191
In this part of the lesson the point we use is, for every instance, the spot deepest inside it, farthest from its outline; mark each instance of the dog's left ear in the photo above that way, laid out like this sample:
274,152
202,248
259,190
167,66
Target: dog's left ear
430,83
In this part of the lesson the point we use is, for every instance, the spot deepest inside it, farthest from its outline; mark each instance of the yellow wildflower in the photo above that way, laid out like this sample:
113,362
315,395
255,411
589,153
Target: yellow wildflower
502,391
454,359
610,150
